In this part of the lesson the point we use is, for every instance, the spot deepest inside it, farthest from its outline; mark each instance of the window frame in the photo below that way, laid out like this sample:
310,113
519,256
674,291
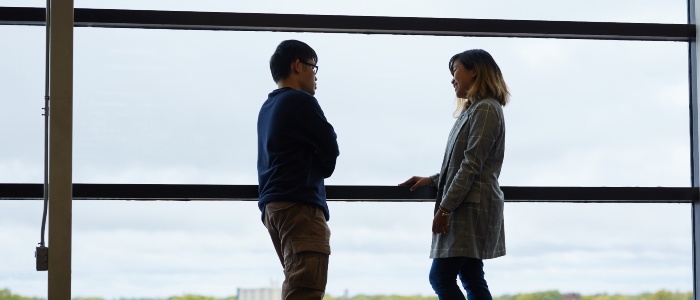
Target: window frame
181,20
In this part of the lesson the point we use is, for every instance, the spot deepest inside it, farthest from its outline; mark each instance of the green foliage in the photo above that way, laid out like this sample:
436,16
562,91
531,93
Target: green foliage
198,297
612,297
382,297
5,294
660,295
546,295
667,295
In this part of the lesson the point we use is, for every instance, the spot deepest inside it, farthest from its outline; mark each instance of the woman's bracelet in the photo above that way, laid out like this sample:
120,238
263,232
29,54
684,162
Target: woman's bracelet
444,212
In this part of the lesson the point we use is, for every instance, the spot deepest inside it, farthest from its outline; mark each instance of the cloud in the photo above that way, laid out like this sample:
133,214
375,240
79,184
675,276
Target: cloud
166,248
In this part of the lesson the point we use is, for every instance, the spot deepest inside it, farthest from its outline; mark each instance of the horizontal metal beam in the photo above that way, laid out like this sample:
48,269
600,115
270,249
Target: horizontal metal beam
149,19
188,192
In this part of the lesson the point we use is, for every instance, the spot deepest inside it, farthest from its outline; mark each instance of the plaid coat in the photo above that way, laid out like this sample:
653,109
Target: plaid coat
468,185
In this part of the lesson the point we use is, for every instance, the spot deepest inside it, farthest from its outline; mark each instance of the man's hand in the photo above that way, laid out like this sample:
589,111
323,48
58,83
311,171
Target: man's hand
416,182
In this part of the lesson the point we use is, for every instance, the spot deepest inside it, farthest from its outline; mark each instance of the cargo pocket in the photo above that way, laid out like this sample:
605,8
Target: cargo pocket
309,264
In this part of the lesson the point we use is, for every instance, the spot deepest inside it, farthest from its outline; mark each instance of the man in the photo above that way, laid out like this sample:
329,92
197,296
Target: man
297,149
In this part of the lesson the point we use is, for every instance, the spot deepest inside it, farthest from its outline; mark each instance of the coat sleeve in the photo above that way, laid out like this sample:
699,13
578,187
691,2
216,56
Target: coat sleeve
319,134
483,129
436,178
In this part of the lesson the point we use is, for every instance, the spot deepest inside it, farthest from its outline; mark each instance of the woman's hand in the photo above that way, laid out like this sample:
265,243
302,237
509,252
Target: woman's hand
441,222
416,182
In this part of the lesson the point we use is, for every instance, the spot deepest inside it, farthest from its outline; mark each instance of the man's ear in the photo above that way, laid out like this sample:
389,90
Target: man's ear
295,67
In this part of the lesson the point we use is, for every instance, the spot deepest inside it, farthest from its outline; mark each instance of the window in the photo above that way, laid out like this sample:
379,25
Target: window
22,100
179,107
647,11
165,106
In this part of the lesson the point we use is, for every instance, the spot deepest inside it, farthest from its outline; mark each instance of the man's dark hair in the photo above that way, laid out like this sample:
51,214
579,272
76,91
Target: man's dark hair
286,53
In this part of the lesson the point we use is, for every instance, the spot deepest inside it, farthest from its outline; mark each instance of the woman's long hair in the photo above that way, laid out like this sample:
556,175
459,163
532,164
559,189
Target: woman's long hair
488,82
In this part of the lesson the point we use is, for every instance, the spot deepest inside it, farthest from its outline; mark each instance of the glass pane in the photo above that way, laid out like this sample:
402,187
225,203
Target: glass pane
646,11
22,99
20,232
159,106
596,248
164,249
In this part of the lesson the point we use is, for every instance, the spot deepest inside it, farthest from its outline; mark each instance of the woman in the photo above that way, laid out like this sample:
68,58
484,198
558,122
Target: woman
468,221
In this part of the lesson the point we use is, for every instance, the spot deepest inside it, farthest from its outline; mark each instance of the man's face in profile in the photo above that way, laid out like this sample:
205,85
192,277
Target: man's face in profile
308,76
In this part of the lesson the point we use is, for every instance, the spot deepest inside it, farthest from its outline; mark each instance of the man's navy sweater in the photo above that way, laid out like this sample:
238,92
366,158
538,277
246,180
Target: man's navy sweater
297,149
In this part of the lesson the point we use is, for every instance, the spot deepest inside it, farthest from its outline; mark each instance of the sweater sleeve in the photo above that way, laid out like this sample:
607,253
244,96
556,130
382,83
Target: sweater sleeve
319,133
485,126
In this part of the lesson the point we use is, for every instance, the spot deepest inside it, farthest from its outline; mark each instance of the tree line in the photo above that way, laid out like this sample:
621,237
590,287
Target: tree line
5,294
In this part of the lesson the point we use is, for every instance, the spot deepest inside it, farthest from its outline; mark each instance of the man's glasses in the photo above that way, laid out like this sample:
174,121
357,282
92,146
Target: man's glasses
313,67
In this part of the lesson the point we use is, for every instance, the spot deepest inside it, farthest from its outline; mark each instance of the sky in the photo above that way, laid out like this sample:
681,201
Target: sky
179,107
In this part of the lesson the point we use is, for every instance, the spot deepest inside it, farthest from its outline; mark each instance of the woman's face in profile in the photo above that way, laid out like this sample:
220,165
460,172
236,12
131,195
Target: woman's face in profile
462,79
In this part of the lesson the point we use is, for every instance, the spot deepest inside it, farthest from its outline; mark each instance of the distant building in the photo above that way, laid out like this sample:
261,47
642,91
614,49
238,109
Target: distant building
571,296
270,293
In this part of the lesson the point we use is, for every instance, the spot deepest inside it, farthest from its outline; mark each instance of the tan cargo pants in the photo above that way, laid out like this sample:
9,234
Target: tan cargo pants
301,238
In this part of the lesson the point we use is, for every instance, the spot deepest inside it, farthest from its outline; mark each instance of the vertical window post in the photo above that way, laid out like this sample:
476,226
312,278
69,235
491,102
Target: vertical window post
694,155
60,149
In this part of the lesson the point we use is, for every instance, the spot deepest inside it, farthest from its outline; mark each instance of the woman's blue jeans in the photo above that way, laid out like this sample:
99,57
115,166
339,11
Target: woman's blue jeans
443,278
